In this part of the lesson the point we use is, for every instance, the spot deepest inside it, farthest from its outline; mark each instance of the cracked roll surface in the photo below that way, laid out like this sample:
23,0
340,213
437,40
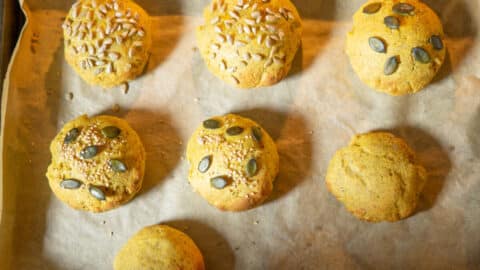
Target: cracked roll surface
249,43
107,42
376,177
97,163
233,162
159,247
396,47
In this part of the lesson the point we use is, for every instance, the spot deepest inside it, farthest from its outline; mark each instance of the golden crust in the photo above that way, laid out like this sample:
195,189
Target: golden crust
159,247
68,163
251,44
229,156
415,30
107,42
376,177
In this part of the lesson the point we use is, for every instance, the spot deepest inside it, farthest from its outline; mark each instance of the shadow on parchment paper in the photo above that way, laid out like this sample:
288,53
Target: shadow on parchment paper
212,245
163,145
473,133
293,138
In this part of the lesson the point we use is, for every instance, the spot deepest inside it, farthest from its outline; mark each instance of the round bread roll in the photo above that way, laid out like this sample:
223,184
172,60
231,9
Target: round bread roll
250,43
97,163
159,247
376,177
233,162
107,41
396,46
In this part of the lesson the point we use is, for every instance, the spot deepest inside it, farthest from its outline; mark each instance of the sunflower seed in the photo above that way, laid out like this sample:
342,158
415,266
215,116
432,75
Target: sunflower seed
251,167
111,132
391,65
403,8
257,134
204,164
211,124
70,184
391,22
117,165
89,152
72,134
97,193
372,8
421,55
436,42
235,130
377,44
218,182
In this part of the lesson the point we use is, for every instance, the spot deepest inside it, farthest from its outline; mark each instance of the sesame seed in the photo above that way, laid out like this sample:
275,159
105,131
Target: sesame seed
260,39
230,39
279,60
223,65
234,14
239,43
220,38
217,29
257,57
270,18
215,20
215,46
247,56
114,55
235,79
249,21
256,14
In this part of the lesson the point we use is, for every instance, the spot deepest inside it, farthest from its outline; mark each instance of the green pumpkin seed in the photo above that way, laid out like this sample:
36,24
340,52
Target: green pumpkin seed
111,132
372,8
391,22
218,182
436,42
97,193
117,166
391,65
72,134
251,167
89,152
70,184
204,164
211,124
403,8
421,55
377,44
257,134
236,130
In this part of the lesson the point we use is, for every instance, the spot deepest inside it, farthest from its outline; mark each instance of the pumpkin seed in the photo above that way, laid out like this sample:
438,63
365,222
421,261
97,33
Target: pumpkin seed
403,8
204,164
117,166
72,134
211,124
251,167
70,184
257,134
391,22
218,182
97,193
436,42
372,8
377,44
89,152
111,132
421,55
235,130
391,65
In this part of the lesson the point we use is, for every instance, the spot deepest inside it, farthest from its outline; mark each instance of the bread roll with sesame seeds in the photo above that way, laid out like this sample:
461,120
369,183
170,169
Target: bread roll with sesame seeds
233,162
249,43
107,42
97,163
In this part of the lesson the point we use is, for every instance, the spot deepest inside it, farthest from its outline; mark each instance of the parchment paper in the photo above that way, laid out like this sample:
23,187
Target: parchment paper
310,115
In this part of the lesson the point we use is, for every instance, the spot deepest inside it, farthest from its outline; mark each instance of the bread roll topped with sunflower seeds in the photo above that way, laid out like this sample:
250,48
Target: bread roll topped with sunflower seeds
396,46
97,163
249,43
107,41
233,162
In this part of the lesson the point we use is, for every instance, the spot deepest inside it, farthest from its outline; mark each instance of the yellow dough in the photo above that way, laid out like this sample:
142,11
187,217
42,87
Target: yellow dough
412,52
233,162
159,247
249,43
376,177
97,163
107,41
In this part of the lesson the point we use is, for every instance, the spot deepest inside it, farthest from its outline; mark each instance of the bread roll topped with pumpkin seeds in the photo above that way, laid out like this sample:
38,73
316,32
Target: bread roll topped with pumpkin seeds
107,41
396,46
233,162
249,43
97,163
